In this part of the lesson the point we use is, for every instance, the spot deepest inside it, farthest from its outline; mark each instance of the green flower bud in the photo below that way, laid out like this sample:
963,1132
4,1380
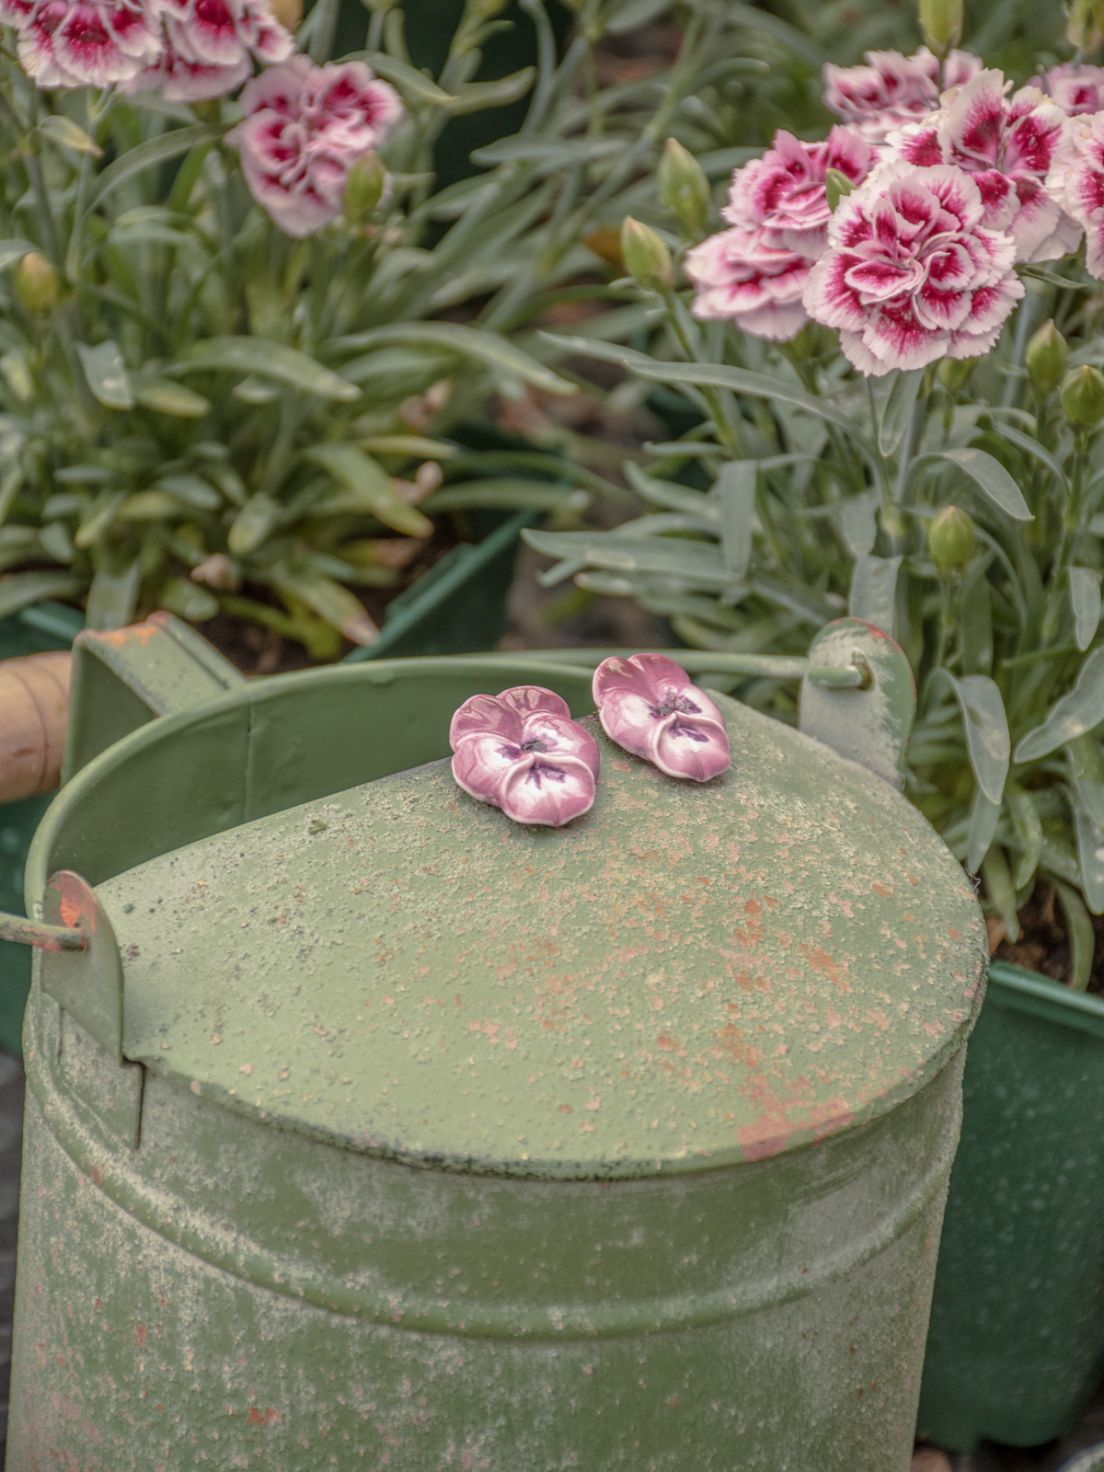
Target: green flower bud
1082,397
953,373
941,24
364,188
951,539
1085,23
35,283
836,186
1046,358
646,257
684,189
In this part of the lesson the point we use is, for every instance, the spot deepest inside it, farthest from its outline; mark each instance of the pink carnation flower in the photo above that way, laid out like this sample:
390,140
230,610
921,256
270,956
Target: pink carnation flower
1007,145
648,705
521,751
209,47
741,277
1077,182
1077,89
911,273
754,275
304,128
83,43
784,191
892,90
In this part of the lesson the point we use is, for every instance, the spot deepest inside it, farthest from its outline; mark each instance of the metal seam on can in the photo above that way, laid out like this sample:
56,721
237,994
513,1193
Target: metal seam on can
169,1218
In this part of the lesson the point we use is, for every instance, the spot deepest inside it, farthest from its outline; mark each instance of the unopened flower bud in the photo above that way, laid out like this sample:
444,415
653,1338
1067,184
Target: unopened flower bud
646,257
35,283
1046,358
1085,23
684,189
1082,397
364,188
836,186
941,24
954,372
951,539
288,12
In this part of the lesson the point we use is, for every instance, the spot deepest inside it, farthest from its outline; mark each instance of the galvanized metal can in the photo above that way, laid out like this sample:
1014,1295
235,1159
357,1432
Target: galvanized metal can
370,1130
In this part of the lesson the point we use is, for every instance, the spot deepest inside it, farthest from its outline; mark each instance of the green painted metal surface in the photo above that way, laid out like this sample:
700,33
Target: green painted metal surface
464,1145
1016,1347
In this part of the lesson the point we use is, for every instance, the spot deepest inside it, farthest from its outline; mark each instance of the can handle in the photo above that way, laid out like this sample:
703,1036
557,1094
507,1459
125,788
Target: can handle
123,678
869,723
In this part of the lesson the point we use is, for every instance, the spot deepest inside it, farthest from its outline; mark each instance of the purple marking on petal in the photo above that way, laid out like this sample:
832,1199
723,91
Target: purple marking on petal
520,751
643,703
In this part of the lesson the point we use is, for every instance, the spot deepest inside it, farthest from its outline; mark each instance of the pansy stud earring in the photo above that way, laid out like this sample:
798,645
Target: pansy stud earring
521,751
648,705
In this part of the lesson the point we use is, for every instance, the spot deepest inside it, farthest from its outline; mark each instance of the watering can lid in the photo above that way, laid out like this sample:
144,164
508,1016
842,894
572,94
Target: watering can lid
687,977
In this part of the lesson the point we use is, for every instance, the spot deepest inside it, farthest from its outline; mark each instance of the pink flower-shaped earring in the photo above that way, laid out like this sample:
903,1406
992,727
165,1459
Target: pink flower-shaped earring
521,751
648,705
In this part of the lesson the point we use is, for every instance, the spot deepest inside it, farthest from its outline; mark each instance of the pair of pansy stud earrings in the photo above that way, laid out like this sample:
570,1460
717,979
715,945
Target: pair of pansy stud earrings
521,751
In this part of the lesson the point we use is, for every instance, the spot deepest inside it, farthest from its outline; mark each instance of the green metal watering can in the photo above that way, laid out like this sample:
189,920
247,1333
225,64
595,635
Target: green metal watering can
367,1129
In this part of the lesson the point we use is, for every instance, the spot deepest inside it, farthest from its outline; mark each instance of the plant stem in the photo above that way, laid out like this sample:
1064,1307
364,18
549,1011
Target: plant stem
726,431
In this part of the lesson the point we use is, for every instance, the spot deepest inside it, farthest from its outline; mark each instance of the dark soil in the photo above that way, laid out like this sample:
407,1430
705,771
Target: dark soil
1043,945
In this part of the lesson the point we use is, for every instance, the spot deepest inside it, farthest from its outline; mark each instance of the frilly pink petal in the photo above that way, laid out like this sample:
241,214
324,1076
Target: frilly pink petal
481,714
526,698
480,763
641,673
648,705
521,751
692,747
549,790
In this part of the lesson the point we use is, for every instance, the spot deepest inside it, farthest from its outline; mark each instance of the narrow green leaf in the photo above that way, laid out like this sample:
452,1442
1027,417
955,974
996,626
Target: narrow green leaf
897,410
12,251
99,516
329,600
988,475
253,525
113,595
984,816
148,155
1090,858
1086,764
190,489
976,626
735,489
874,591
188,600
1035,450
368,488
66,134
713,375
1082,937
1000,890
106,374
475,96
552,152
509,364
265,359
165,397
699,564
1084,586
987,739
23,589
413,84
859,522
1029,832
673,497
1079,711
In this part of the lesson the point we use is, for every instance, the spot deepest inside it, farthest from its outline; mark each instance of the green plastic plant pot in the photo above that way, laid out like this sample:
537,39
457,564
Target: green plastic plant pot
459,606
1016,1344
33,631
